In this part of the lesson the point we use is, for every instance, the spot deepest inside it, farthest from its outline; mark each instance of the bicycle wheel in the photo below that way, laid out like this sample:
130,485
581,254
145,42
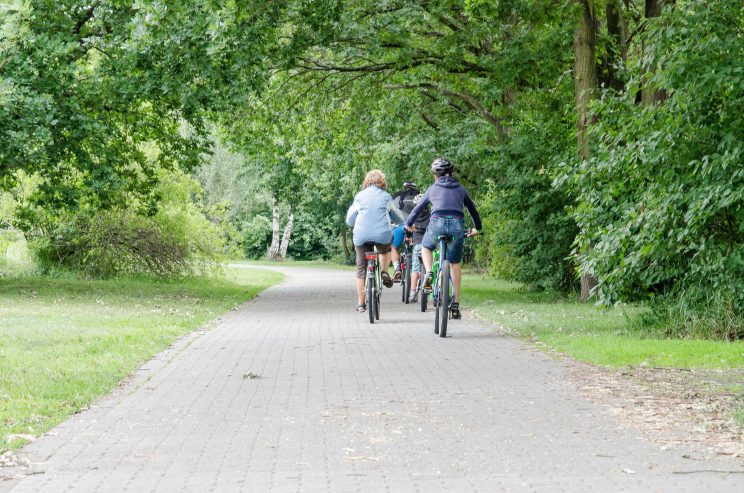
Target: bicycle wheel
402,280
407,280
423,297
435,297
371,298
377,303
444,298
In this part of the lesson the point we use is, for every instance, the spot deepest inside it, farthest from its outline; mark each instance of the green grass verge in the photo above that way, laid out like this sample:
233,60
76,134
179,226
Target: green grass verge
65,342
589,333
739,417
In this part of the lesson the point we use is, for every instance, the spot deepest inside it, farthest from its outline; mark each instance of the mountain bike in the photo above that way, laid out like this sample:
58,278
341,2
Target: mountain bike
406,263
443,290
373,284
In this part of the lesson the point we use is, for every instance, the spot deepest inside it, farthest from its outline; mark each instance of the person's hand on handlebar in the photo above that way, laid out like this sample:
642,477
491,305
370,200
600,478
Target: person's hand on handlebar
473,232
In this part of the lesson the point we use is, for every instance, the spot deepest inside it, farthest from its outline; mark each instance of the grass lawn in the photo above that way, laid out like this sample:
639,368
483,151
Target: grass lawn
591,334
65,342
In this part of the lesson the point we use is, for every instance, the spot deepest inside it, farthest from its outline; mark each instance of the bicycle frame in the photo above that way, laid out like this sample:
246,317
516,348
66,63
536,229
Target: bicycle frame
373,291
441,252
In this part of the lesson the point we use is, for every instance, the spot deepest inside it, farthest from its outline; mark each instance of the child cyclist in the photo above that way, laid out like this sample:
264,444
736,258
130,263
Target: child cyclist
448,198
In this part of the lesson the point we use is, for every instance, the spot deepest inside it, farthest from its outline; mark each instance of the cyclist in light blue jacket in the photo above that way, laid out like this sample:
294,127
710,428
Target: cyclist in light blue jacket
371,214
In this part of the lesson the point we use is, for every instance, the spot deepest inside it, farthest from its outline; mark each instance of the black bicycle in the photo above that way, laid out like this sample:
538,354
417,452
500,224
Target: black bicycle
406,264
373,284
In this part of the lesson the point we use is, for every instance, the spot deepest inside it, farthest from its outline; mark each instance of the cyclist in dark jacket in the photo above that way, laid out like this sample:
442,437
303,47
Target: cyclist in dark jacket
448,199
404,201
419,229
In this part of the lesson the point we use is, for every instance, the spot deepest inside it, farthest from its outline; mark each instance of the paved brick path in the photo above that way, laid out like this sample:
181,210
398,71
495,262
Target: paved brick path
339,405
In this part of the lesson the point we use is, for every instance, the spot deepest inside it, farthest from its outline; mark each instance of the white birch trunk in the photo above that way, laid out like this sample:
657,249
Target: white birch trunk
275,230
286,236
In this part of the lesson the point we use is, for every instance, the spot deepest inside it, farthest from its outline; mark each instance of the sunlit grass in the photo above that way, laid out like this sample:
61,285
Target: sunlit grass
65,342
610,337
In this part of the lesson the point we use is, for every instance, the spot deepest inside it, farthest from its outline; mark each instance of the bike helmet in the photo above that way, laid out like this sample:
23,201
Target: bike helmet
408,185
442,166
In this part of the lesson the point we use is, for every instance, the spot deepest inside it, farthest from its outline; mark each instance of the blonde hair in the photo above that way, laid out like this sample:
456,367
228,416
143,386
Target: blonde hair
375,177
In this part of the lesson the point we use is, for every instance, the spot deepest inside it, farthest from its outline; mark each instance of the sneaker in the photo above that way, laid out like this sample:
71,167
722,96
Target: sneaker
386,281
455,310
428,280
413,296
398,275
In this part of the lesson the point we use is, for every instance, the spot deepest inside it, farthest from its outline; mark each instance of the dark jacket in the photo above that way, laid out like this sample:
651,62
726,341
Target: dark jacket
404,199
447,198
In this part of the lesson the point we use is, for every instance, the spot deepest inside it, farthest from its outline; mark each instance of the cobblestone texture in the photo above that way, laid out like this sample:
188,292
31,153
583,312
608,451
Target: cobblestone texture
297,392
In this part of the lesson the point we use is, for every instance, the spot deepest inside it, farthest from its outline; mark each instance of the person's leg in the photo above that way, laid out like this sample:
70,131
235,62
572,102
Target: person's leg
456,273
454,255
415,266
385,261
427,256
399,235
361,270
384,251
361,295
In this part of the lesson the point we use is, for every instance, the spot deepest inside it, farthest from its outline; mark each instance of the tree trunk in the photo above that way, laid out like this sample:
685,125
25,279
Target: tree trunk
588,283
275,229
345,245
650,95
616,51
288,228
585,81
585,72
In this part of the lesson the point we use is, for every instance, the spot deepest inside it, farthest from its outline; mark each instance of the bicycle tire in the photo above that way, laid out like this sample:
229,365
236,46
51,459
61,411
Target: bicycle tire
435,301
424,298
444,298
370,299
402,279
377,304
407,280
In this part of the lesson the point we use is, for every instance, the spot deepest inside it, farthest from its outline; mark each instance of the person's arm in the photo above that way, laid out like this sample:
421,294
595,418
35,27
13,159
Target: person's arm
352,213
470,205
417,210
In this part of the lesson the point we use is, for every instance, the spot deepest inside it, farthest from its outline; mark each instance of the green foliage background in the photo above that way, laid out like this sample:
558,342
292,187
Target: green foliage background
289,103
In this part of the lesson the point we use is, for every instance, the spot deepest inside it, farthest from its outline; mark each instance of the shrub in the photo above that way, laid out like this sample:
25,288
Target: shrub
177,240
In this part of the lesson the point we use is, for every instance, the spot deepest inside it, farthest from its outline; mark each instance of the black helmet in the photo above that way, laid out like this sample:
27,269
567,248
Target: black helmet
409,185
442,166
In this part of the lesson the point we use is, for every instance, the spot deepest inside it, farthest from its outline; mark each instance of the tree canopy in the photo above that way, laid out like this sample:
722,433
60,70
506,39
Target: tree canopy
601,138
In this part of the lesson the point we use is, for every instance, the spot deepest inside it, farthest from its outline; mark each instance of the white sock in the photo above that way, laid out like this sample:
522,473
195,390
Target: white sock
396,265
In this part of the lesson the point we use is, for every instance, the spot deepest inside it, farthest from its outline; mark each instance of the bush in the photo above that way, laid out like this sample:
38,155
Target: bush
661,206
177,240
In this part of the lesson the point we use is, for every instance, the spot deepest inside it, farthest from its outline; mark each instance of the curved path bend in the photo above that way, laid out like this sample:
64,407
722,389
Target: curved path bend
297,392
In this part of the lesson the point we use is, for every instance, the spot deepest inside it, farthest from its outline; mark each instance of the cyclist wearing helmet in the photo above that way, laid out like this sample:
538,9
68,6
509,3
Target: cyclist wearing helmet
448,198
404,202
419,229
370,215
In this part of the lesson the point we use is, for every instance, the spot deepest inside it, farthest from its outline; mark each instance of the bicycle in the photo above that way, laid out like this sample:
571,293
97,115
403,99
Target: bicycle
406,260
373,284
443,289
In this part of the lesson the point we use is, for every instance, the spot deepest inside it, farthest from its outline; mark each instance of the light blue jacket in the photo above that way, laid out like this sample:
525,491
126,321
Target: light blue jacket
370,215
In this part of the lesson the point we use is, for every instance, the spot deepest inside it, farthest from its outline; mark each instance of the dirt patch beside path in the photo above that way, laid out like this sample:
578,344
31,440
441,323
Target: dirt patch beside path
673,407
